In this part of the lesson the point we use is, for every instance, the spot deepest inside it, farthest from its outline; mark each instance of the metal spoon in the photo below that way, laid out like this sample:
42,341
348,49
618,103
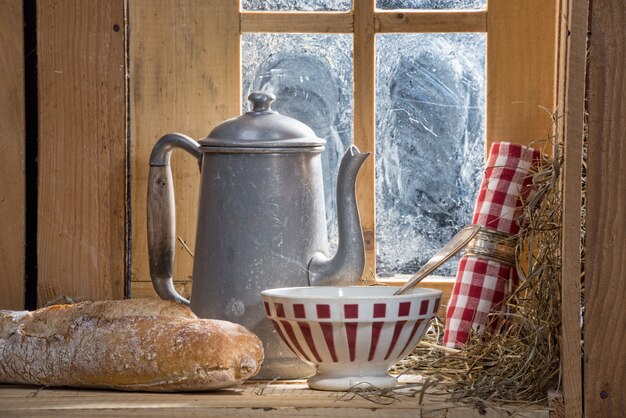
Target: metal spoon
460,240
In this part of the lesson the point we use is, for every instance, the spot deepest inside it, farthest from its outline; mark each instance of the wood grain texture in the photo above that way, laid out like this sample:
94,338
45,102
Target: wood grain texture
306,22
605,280
82,149
385,22
364,123
184,77
12,132
253,399
431,21
146,290
521,67
573,50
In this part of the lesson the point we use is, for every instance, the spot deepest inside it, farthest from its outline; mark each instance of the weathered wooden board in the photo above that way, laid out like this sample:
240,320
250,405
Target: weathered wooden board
12,132
521,64
288,399
82,149
605,280
184,77
572,59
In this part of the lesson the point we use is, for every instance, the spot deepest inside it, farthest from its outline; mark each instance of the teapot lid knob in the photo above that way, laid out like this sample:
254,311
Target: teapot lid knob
261,101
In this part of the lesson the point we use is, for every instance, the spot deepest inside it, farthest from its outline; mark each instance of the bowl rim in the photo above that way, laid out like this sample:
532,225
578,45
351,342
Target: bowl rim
421,292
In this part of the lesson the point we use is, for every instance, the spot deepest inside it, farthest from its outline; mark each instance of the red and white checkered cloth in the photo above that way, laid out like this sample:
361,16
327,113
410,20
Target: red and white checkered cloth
481,284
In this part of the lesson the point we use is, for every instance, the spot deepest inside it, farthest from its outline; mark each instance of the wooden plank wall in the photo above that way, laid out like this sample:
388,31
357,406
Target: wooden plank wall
12,165
184,79
81,241
521,70
571,107
605,281
180,79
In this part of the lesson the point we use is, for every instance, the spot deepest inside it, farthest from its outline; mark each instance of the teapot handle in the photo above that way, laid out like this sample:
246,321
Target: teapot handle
161,213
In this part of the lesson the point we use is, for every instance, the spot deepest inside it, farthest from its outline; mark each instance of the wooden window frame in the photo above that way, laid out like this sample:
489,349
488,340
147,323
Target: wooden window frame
521,79
500,18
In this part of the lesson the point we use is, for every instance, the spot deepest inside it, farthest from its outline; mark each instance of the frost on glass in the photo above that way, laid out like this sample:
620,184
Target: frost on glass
430,128
311,76
430,4
296,5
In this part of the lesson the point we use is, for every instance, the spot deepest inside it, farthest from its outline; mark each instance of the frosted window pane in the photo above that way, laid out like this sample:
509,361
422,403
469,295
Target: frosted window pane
296,5
430,144
311,76
430,4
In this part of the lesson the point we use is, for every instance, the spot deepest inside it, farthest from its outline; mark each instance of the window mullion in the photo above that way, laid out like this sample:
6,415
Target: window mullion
296,22
364,121
429,21
423,21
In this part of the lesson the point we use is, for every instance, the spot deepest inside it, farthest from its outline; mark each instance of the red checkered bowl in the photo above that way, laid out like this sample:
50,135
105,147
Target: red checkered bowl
352,335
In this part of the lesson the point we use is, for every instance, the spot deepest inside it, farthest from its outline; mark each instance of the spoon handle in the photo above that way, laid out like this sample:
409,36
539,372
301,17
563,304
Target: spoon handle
460,240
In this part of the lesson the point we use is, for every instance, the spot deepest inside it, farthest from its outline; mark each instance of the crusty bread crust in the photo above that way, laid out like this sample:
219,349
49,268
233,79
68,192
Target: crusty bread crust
135,344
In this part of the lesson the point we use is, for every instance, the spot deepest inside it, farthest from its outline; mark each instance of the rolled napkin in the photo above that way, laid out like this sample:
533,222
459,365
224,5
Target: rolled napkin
486,272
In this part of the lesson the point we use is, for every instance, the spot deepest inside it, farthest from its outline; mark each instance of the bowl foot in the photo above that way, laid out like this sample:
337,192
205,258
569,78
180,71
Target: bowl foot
327,381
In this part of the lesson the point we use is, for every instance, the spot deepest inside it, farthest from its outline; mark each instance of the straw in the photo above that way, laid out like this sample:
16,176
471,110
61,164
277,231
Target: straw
519,359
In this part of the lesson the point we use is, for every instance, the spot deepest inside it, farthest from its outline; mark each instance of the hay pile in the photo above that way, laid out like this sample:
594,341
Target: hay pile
519,359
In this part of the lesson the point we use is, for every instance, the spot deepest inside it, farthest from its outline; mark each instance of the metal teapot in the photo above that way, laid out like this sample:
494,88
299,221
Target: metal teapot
261,221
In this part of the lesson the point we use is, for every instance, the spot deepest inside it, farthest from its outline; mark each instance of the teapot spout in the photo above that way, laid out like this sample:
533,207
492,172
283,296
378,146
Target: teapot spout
348,263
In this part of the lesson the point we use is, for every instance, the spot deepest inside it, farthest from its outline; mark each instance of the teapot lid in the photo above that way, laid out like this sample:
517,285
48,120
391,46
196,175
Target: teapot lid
262,127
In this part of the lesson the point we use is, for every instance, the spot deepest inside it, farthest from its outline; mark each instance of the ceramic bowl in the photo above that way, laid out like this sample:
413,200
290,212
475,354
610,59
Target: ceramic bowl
351,335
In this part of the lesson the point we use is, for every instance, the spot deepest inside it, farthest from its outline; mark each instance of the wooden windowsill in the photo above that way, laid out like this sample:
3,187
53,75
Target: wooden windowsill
144,289
443,283
430,281
254,398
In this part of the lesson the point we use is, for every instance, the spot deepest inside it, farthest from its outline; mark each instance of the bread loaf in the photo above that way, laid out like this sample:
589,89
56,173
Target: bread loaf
135,344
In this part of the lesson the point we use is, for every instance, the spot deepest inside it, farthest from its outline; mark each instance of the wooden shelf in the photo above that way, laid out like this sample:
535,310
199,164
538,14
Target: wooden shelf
287,398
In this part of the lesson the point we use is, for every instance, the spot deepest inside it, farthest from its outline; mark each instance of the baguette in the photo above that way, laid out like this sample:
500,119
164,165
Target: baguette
135,344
